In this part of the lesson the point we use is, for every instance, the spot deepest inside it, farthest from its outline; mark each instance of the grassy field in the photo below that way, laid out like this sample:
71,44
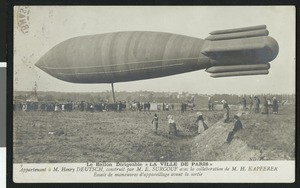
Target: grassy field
48,137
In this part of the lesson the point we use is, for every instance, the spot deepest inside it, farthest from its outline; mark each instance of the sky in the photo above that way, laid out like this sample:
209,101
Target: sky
50,25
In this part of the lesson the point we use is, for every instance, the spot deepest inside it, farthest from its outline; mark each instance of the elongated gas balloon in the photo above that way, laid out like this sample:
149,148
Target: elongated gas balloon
137,55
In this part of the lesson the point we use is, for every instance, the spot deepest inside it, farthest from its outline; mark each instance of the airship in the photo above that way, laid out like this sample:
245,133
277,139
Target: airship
137,55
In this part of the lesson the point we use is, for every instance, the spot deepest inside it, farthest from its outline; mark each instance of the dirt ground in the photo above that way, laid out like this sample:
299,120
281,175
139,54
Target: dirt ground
65,137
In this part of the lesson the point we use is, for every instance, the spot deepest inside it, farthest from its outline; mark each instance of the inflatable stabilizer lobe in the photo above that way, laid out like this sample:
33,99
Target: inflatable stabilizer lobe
235,68
241,73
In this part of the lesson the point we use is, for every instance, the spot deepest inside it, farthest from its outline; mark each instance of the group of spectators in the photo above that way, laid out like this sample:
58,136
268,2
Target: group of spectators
69,106
202,126
254,105
172,125
48,106
138,106
263,107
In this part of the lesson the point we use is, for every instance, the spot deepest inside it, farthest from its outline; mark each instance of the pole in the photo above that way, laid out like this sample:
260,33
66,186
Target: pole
113,91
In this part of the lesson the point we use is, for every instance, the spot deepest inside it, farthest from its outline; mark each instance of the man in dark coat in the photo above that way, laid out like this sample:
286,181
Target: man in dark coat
265,109
244,103
275,105
237,126
256,104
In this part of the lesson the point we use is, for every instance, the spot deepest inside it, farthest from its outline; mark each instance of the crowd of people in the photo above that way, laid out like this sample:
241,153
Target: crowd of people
81,106
119,106
68,106
202,126
264,107
254,105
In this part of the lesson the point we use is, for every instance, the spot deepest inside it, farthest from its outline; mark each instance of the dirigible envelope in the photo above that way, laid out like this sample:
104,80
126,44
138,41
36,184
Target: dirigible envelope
137,55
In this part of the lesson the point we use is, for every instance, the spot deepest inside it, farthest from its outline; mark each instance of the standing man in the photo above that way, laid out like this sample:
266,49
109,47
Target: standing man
226,108
182,107
237,126
275,105
256,104
209,104
265,109
250,104
244,102
167,107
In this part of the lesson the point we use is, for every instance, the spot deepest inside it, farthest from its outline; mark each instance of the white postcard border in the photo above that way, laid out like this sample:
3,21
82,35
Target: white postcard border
156,172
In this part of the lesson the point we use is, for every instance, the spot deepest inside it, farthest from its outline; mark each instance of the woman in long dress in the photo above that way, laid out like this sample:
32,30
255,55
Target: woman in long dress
155,123
201,124
226,108
172,125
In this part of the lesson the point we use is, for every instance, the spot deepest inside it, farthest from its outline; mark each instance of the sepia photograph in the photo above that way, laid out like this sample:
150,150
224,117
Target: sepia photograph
117,92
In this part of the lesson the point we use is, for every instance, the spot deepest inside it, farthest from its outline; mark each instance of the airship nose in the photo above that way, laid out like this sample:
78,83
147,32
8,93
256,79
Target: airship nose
40,64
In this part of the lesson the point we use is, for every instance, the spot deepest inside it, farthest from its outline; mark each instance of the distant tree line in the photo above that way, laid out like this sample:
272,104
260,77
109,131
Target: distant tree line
200,100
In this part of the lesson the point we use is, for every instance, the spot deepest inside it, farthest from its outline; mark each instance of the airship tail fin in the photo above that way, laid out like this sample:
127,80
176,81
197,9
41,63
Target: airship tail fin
244,34
241,51
236,30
